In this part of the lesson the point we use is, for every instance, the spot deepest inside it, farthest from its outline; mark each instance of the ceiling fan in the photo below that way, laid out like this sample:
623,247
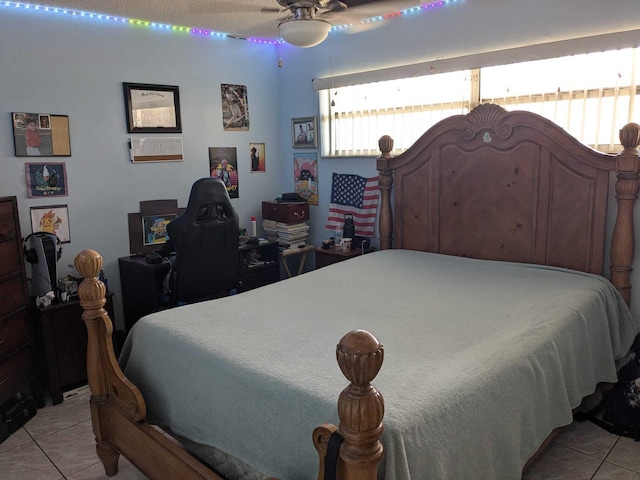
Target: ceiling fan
306,24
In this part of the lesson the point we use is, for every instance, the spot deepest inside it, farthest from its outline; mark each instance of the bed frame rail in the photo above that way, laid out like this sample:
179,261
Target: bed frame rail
118,409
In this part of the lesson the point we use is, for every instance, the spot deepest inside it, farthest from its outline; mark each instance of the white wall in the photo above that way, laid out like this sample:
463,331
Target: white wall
76,67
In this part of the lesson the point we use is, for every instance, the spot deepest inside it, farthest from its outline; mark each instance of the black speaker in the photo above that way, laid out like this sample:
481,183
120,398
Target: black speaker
30,253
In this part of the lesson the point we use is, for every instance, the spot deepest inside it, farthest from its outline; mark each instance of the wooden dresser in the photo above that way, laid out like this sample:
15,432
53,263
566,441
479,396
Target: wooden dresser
15,339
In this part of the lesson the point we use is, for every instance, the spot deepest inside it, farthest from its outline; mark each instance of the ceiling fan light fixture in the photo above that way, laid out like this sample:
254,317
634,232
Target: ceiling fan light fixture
304,32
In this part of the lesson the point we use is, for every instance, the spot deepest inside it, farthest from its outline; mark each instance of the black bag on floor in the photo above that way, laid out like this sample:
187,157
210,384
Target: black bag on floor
619,411
15,412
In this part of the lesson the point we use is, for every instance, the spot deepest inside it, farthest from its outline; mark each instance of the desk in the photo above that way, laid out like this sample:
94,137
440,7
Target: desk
141,287
295,251
142,282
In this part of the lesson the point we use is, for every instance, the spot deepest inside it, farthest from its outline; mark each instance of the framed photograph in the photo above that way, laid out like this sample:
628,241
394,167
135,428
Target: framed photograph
235,107
305,172
41,135
51,219
223,164
152,108
258,159
46,180
303,131
154,228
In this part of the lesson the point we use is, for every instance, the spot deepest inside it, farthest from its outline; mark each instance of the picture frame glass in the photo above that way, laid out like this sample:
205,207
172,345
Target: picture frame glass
40,135
152,108
304,132
51,219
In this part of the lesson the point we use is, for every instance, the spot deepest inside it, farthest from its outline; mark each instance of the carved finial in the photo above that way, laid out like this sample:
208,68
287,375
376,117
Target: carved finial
386,146
360,357
630,136
360,406
91,291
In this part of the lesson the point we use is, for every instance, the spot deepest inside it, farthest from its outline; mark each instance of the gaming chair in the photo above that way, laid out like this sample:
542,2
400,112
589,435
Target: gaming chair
205,237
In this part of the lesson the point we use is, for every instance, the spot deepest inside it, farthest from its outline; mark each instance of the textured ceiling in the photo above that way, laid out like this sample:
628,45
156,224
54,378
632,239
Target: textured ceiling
242,18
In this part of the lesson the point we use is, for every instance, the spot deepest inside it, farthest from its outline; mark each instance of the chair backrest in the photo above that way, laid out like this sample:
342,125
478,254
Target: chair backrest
205,237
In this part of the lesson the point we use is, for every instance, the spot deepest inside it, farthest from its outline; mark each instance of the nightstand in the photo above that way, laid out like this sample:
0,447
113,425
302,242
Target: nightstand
61,337
328,256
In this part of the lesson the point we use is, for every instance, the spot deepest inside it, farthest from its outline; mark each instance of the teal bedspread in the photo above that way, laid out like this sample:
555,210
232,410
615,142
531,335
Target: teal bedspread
482,361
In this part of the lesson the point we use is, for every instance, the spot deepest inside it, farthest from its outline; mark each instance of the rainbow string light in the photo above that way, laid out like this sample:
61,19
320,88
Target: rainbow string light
205,32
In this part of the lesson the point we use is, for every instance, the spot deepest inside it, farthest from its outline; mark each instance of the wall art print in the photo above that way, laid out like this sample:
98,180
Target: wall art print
40,135
46,180
305,172
223,164
235,107
258,159
51,219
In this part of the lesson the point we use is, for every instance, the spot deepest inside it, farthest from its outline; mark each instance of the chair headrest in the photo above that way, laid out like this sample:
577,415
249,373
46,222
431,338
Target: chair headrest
209,200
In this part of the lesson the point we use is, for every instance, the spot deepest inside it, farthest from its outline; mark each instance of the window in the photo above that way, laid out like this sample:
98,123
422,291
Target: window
591,95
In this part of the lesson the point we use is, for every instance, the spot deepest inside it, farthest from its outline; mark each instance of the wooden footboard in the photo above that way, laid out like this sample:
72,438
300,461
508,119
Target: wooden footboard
118,409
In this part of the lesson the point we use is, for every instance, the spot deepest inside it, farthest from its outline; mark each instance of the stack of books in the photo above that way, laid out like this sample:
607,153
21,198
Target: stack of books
288,235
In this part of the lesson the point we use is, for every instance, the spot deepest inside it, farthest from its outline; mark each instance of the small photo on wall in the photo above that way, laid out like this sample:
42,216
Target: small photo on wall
235,107
223,164
51,219
305,171
46,180
258,160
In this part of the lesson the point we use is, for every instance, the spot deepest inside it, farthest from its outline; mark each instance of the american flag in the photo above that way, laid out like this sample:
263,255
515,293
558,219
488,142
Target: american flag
355,195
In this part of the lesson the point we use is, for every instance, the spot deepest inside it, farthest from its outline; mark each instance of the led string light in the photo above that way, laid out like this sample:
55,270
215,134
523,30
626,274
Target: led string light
205,32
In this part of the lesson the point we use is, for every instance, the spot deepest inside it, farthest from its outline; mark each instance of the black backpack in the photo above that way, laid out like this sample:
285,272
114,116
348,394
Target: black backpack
619,410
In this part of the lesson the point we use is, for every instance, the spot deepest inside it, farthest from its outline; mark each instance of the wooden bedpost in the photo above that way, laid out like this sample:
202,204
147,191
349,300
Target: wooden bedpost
118,409
623,238
360,408
385,179
101,374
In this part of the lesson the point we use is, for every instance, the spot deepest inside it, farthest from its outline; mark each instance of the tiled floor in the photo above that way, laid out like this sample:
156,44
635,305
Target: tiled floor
58,444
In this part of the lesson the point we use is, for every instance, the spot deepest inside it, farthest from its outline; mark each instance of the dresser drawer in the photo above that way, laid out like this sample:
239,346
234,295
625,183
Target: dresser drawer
13,295
10,258
7,224
14,332
285,212
14,372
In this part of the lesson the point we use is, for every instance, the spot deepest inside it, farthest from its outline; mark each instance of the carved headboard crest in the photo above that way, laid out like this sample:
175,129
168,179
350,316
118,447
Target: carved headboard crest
487,119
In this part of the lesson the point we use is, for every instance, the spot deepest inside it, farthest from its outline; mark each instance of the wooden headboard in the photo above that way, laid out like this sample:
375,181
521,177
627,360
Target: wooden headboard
510,186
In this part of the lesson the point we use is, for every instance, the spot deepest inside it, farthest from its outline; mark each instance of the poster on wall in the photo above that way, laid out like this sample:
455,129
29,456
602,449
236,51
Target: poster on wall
52,219
223,164
41,135
258,160
235,107
46,180
305,172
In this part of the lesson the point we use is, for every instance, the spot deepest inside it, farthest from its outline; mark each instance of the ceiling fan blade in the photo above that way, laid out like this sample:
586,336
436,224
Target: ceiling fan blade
272,10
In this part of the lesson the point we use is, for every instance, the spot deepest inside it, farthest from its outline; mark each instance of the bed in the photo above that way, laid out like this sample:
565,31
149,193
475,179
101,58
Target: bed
488,295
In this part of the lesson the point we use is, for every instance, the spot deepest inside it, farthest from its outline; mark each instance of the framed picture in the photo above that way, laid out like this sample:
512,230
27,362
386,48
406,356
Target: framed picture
46,180
235,107
305,172
154,228
303,131
258,159
152,108
41,135
223,164
51,219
